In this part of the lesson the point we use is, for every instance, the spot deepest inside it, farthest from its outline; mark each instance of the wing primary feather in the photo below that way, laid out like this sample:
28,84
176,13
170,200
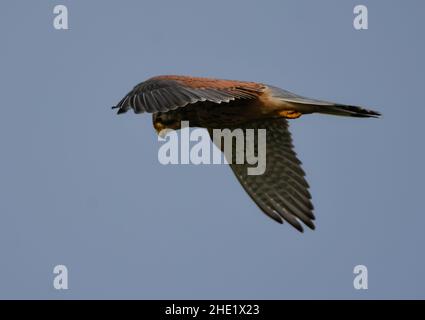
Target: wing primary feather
171,101
146,102
139,107
266,208
286,215
181,99
161,102
291,207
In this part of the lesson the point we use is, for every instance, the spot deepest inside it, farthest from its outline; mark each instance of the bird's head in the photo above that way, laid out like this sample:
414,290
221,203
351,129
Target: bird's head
166,120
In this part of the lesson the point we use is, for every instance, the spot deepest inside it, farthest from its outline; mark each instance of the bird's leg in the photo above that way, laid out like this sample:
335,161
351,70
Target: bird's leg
290,114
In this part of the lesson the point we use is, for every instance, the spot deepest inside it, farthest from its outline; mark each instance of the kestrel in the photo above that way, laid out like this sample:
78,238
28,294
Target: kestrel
282,191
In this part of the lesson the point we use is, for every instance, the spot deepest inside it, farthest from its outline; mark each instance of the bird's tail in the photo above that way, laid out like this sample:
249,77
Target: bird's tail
304,105
346,111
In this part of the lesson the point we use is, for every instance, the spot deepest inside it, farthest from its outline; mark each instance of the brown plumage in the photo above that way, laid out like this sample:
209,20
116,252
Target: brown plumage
282,191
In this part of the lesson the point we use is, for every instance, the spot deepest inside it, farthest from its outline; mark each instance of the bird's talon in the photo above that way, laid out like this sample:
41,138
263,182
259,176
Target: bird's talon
290,114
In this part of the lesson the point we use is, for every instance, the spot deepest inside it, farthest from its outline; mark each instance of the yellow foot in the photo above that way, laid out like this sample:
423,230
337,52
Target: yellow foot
290,114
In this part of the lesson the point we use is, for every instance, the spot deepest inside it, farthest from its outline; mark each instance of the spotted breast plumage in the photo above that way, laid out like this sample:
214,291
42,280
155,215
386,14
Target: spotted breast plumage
281,191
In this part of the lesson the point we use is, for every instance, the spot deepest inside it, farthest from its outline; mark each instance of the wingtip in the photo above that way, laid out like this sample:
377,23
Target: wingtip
374,114
368,113
299,227
277,219
120,110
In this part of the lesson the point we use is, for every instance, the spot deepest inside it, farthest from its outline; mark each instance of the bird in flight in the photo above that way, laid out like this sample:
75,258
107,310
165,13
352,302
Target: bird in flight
282,191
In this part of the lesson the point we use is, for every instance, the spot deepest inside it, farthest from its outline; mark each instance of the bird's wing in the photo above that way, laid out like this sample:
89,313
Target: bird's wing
282,191
165,93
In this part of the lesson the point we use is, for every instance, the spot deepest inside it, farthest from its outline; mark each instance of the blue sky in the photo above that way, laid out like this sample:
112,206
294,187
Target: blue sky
82,187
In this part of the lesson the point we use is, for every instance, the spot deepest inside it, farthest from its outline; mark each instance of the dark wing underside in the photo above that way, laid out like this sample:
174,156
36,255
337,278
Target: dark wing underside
165,93
282,191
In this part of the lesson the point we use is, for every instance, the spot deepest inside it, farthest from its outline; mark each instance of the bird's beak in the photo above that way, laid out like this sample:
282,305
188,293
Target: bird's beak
158,127
161,130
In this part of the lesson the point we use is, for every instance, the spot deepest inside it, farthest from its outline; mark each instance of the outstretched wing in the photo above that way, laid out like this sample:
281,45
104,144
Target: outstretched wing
165,93
282,191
